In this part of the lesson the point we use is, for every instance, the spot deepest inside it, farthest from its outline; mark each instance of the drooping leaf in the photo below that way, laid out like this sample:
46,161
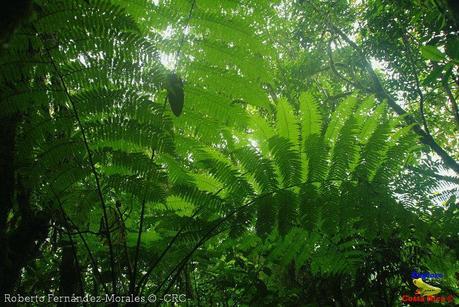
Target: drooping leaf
452,48
433,75
429,52
175,94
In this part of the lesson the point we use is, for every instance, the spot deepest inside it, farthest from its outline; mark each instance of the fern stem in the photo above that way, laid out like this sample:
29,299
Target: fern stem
178,267
209,234
69,222
91,161
182,40
129,264
74,250
144,278
139,237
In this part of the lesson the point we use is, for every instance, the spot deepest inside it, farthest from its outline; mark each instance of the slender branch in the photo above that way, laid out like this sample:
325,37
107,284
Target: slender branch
271,92
91,256
333,67
178,53
69,222
144,278
183,263
177,56
209,234
338,96
91,161
129,265
139,236
196,288
381,94
74,250
453,103
447,178
76,233
182,40
181,43
418,87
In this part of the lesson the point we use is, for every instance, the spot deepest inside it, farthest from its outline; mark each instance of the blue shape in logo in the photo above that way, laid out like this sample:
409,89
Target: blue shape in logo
425,275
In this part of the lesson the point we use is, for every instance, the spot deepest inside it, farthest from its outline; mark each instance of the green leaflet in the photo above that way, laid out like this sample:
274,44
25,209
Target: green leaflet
287,159
259,167
311,119
266,215
287,210
371,123
286,121
262,130
338,119
344,151
452,48
431,53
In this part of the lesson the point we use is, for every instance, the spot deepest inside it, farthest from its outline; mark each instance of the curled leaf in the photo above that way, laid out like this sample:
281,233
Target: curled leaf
175,95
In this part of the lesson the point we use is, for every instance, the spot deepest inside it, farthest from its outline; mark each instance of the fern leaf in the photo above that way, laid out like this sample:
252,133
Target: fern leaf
287,210
311,119
266,216
287,126
339,117
287,159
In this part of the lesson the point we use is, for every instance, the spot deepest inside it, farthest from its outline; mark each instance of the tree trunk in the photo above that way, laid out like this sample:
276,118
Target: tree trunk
69,273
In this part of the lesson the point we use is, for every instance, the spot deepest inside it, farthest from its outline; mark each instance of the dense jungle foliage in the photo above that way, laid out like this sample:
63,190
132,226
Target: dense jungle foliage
230,152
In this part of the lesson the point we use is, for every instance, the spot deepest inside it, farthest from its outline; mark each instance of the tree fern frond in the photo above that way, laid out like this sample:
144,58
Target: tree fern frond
286,122
287,210
216,106
344,151
223,54
261,168
374,151
339,118
311,119
317,156
371,123
208,203
401,145
230,28
266,215
177,174
262,130
287,159
309,206
223,80
227,175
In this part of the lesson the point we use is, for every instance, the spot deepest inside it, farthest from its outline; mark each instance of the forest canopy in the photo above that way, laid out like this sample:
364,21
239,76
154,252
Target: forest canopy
230,152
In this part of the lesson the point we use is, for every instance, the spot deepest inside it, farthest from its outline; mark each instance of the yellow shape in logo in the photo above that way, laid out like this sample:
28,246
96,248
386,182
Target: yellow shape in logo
424,288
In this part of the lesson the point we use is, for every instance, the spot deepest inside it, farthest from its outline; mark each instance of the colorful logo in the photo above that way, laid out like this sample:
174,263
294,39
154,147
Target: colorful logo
424,288
425,292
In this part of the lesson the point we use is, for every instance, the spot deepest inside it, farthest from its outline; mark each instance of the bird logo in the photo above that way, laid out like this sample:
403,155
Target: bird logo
424,288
